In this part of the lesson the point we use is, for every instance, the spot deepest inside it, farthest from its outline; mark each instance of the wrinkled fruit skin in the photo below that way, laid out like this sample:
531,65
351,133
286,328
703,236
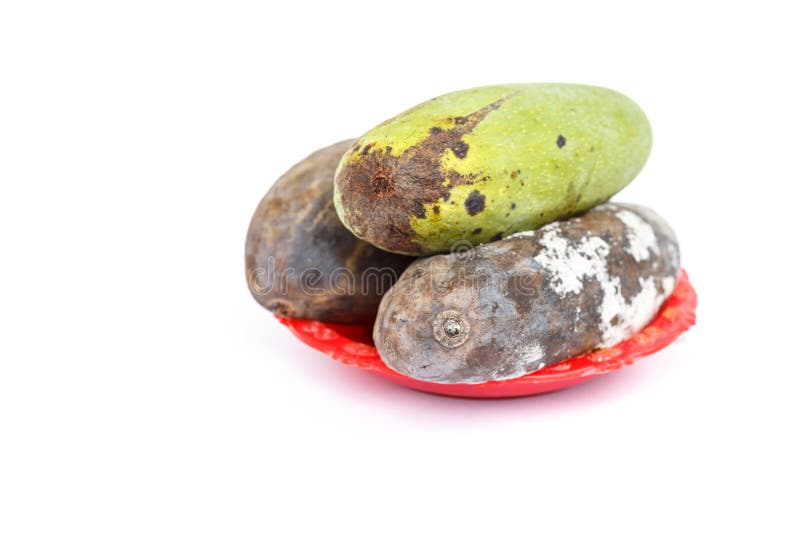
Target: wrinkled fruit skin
537,298
480,164
298,254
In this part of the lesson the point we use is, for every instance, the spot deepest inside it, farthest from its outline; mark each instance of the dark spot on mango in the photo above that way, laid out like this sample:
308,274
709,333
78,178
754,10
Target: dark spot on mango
460,149
461,120
513,206
382,182
561,141
366,149
476,231
419,210
280,307
436,210
475,202
435,130
496,237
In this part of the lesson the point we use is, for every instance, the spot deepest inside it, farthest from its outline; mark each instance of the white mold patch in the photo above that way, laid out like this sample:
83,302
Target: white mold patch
673,256
532,354
668,283
568,263
640,235
524,233
620,319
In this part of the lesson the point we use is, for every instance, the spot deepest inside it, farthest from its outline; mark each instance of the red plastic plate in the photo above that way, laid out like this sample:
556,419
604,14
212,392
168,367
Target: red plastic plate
352,345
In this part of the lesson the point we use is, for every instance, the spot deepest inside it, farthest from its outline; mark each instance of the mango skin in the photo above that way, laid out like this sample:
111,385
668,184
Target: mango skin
476,165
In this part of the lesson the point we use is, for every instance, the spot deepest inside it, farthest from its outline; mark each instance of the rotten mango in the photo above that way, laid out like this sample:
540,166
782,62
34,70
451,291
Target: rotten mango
480,164
534,299
301,262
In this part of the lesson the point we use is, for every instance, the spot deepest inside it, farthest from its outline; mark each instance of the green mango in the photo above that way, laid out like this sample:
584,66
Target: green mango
476,165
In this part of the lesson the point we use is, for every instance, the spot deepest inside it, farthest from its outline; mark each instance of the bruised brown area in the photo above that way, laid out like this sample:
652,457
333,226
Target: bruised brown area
380,192
382,182
298,252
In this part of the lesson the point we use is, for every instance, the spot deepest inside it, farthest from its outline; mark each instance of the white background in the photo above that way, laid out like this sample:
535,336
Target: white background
143,390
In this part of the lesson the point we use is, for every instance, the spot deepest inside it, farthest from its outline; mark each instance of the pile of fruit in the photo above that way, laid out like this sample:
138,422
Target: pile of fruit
474,231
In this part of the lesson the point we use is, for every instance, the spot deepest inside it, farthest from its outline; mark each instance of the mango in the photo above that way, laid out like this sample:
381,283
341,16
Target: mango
300,261
476,165
531,300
